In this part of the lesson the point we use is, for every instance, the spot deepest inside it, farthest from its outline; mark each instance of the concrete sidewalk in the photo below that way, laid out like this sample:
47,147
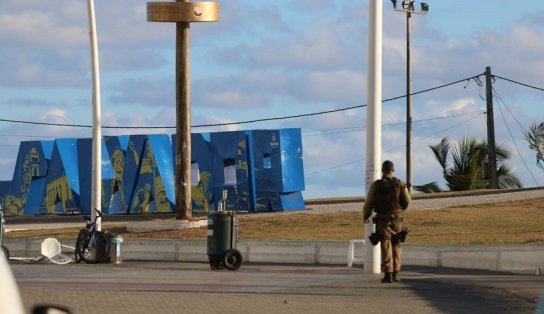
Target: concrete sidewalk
159,287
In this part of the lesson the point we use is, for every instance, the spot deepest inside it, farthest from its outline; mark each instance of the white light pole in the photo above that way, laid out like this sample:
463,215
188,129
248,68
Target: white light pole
96,193
372,258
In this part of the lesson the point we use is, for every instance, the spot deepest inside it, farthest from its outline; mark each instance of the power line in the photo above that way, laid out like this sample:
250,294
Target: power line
341,109
334,167
475,77
357,129
279,118
46,123
389,150
499,98
515,145
24,135
519,83
434,134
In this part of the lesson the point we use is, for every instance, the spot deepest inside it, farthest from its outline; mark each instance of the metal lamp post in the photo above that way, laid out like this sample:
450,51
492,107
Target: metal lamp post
371,254
408,8
96,202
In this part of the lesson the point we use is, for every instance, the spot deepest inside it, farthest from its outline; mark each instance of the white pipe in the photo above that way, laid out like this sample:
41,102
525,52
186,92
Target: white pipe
372,257
96,193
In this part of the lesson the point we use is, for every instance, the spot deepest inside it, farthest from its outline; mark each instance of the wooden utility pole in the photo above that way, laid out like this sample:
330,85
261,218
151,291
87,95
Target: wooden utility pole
493,178
182,12
183,121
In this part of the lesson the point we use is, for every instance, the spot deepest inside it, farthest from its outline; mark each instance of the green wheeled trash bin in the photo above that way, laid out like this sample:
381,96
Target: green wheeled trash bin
221,239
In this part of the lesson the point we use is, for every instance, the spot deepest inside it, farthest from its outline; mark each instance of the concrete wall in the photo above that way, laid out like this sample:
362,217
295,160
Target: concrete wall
517,258
523,258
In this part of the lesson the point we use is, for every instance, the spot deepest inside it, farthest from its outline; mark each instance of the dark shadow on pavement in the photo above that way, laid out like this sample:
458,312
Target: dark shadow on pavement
461,291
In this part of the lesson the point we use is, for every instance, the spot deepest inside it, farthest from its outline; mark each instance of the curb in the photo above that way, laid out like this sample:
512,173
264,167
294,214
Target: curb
523,258
161,225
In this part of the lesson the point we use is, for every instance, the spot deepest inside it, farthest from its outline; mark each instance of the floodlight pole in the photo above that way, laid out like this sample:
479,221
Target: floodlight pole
371,254
96,186
409,10
409,175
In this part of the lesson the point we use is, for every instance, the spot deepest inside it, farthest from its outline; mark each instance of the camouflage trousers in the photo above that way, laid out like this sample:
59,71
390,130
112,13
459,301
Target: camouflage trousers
387,229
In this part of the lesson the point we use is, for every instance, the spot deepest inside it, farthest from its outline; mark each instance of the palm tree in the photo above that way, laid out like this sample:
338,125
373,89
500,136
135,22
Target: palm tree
465,172
535,137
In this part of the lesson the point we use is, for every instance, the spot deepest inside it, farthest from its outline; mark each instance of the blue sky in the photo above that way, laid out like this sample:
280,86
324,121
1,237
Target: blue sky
270,59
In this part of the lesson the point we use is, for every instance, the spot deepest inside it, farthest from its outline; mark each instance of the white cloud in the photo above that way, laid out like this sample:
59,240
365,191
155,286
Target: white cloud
232,99
214,119
337,85
147,90
439,107
39,28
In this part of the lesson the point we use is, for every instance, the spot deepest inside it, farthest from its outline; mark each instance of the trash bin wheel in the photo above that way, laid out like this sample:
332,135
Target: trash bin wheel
232,259
5,252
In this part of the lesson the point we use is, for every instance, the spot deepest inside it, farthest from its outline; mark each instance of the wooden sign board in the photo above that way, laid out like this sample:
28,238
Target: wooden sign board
182,11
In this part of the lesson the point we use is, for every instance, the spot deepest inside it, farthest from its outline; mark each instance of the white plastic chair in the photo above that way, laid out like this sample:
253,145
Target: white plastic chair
52,249
351,252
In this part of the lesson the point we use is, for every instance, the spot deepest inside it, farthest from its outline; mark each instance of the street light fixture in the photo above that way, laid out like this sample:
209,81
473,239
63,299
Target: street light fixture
424,7
408,8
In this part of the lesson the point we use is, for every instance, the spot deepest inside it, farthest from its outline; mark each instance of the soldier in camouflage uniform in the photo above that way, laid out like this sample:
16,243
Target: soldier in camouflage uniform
388,197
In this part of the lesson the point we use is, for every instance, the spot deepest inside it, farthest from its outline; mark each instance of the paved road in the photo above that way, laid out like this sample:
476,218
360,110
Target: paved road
134,288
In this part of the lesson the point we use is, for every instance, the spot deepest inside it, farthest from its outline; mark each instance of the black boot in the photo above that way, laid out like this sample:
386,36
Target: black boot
396,276
387,278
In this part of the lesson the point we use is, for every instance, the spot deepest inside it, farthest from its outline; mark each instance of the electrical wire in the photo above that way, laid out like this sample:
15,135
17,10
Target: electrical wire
389,150
512,137
519,83
431,135
340,109
46,123
24,135
358,129
442,131
475,77
499,98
